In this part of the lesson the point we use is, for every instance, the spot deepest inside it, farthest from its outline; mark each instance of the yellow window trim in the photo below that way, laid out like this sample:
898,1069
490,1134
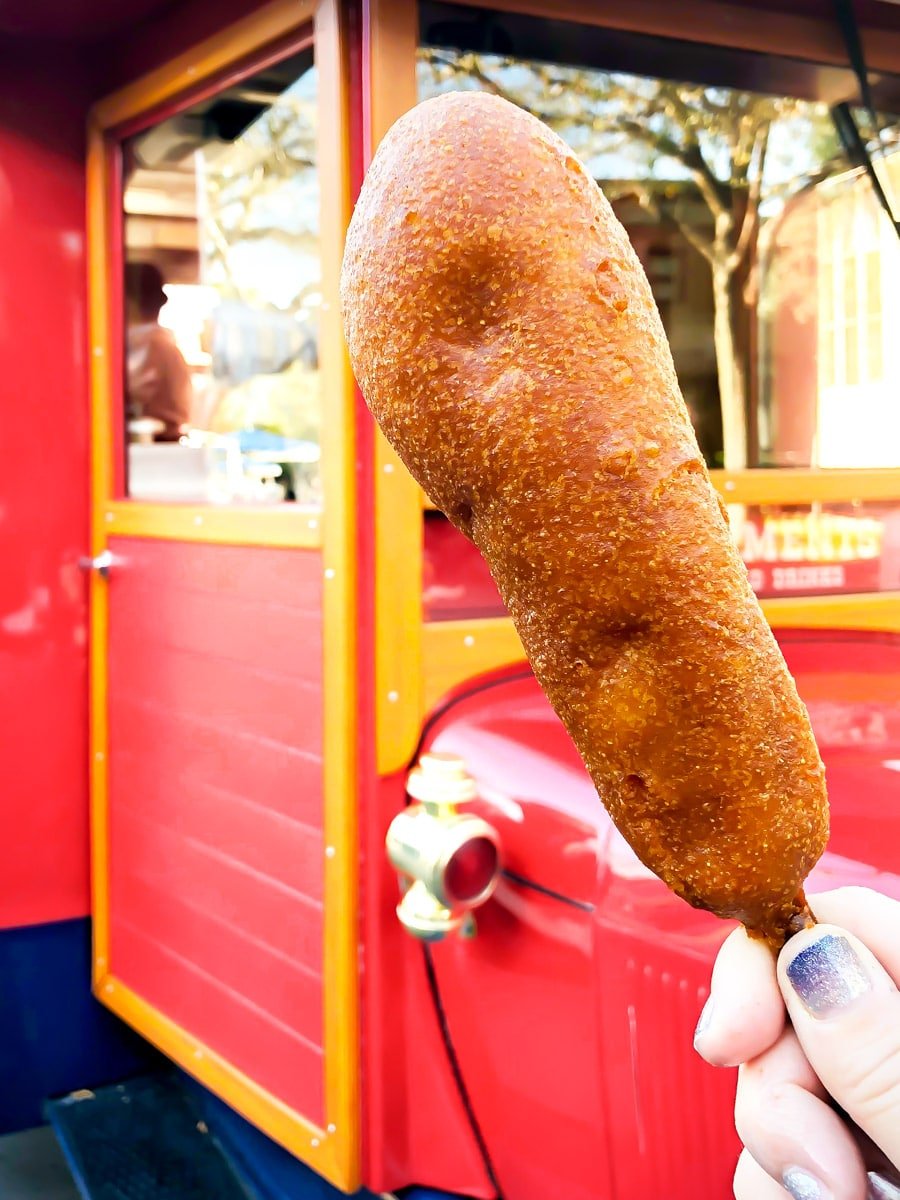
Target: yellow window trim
335,1151
782,485
283,525
393,36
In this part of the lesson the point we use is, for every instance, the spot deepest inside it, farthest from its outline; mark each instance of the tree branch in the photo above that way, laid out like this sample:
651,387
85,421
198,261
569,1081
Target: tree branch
750,222
651,205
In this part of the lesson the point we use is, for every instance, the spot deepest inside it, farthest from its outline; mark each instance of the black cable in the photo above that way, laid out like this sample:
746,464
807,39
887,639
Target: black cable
457,1071
842,114
858,154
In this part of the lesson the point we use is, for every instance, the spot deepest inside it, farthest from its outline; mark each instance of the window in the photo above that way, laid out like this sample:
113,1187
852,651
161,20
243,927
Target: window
712,174
222,296
859,367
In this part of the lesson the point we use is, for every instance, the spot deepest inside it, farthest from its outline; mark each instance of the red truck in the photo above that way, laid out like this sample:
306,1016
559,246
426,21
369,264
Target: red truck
240,659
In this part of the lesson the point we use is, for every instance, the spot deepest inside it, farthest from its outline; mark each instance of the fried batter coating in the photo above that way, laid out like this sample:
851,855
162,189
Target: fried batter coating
508,344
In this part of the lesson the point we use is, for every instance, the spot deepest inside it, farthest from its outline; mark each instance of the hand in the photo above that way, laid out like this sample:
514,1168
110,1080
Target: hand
838,983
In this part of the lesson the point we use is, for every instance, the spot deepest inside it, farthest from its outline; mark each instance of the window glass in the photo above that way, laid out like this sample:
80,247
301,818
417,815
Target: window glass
222,296
742,205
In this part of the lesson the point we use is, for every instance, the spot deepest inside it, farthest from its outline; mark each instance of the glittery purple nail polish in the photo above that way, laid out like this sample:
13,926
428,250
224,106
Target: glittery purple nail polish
881,1188
800,1185
827,975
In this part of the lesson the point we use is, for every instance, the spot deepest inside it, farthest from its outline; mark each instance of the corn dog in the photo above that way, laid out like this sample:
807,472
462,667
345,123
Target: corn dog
507,342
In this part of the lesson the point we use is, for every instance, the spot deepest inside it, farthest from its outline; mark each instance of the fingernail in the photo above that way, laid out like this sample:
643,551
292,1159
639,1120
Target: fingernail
828,975
881,1188
802,1186
705,1018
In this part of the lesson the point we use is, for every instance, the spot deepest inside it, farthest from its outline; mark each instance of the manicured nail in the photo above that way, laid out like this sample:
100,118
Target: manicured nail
705,1018
828,975
800,1185
881,1188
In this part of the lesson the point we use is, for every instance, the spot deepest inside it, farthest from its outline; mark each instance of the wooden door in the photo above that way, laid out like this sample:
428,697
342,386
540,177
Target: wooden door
223,607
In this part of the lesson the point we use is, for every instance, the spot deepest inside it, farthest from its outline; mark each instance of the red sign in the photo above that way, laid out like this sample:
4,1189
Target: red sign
811,553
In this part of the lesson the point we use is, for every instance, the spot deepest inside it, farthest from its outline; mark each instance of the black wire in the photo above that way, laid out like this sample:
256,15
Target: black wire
457,1071
850,30
842,114
856,150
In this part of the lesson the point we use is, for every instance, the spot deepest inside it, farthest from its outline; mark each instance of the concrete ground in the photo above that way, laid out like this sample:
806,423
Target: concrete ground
32,1167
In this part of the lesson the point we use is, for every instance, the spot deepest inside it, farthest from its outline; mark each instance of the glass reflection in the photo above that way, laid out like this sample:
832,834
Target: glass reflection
771,261
223,294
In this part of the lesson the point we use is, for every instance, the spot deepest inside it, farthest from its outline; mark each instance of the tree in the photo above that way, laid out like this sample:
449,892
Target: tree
738,149
260,250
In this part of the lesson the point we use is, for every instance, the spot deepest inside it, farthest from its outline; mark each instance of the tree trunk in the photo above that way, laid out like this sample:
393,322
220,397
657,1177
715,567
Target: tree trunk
732,381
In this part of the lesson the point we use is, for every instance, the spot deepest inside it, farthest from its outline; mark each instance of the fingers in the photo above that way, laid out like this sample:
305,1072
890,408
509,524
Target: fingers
752,1183
845,1009
744,1015
844,1004
745,1012
784,1120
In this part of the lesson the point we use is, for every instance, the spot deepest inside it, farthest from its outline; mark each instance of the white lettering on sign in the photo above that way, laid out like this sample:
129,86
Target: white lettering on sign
789,579
809,537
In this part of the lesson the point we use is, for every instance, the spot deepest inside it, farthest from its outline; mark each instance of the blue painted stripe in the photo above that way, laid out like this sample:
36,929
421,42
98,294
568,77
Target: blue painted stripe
54,1036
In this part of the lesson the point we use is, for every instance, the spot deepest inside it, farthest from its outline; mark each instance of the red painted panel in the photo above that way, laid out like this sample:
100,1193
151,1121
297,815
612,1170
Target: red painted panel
521,1007
272,1054
43,485
670,1125
231,828
456,582
182,617
237,698
631,988
215,775
277,984
285,779
258,906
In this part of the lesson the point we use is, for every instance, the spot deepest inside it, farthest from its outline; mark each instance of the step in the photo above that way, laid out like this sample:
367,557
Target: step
142,1140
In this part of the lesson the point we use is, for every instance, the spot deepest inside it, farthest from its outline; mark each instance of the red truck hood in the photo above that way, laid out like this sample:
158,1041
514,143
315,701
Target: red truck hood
556,834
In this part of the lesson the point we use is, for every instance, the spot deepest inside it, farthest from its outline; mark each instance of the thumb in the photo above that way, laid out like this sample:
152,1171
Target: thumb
845,1009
